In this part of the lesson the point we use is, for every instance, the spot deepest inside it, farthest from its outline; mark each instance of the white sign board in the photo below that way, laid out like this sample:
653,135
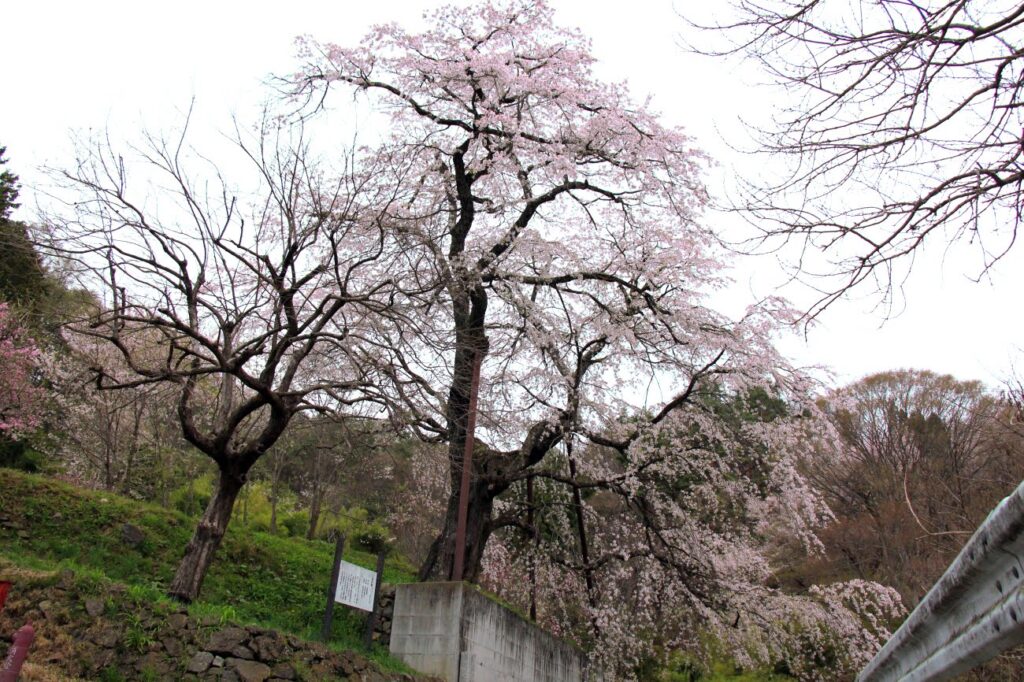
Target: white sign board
355,586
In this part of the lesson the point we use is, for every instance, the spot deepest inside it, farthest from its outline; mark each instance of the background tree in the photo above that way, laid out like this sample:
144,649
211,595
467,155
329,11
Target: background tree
8,188
902,126
921,459
117,440
38,295
249,304
21,398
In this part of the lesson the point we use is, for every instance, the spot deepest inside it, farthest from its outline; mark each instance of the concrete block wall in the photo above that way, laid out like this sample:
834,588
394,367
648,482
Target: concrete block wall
452,631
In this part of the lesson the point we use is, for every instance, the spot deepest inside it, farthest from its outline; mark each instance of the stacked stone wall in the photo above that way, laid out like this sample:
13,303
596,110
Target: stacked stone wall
90,632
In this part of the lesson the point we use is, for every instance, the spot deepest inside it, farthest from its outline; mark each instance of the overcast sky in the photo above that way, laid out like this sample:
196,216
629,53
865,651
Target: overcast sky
74,66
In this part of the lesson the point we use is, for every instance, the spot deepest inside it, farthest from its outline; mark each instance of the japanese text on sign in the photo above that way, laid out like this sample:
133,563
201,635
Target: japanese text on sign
355,586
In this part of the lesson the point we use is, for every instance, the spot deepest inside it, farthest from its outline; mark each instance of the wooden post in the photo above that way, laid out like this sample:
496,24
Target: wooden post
467,468
325,630
371,620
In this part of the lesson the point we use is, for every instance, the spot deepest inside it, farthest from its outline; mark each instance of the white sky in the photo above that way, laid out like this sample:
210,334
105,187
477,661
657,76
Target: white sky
125,65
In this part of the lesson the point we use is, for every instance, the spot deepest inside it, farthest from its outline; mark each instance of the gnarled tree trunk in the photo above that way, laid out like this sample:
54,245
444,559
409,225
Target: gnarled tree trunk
204,543
440,559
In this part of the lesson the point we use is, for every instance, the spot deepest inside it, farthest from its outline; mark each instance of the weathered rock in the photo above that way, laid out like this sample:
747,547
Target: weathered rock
248,671
269,647
97,658
94,607
200,662
178,621
154,663
172,645
321,670
224,641
360,663
132,535
218,662
107,636
243,652
284,671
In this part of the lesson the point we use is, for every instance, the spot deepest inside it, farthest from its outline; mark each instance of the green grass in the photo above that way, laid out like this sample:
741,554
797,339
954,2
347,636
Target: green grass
256,578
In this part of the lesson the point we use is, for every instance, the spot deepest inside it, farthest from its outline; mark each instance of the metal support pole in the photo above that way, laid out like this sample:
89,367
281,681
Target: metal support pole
467,467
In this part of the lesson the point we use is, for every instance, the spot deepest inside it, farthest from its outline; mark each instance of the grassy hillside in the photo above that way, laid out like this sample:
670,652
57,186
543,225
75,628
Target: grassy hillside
256,578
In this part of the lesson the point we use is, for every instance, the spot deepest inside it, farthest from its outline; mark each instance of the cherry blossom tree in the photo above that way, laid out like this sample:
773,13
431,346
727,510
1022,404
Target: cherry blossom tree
108,437
242,303
550,241
676,540
21,398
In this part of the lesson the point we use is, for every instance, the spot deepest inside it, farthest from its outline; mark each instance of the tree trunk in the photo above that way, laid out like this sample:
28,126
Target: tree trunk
204,543
275,484
108,469
314,515
440,559
469,310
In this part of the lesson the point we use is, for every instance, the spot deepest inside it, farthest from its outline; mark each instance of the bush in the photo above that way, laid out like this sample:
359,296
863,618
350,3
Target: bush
17,454
295,523
193,497
360,532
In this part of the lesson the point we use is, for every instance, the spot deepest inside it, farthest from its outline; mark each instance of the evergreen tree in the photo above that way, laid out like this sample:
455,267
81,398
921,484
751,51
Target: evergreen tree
8,188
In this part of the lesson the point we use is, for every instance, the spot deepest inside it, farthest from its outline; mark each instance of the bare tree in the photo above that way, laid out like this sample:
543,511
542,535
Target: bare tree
919,461
251,302
903,125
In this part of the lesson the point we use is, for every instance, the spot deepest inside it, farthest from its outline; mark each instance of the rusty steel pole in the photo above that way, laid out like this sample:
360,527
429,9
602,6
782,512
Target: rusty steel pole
467,467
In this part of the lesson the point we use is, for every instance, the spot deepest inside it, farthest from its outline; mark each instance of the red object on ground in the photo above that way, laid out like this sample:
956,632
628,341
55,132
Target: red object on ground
5,587
11,667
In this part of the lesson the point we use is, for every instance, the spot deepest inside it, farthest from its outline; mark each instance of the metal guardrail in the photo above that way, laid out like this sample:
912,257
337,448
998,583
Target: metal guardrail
974,612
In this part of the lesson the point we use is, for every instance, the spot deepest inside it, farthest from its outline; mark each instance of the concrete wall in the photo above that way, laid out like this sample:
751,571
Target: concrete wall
453,631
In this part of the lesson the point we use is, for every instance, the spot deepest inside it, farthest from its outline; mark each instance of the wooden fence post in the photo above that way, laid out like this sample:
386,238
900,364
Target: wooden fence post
325,630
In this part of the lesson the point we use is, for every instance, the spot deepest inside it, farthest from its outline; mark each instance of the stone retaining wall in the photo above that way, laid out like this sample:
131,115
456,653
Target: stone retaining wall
92,632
